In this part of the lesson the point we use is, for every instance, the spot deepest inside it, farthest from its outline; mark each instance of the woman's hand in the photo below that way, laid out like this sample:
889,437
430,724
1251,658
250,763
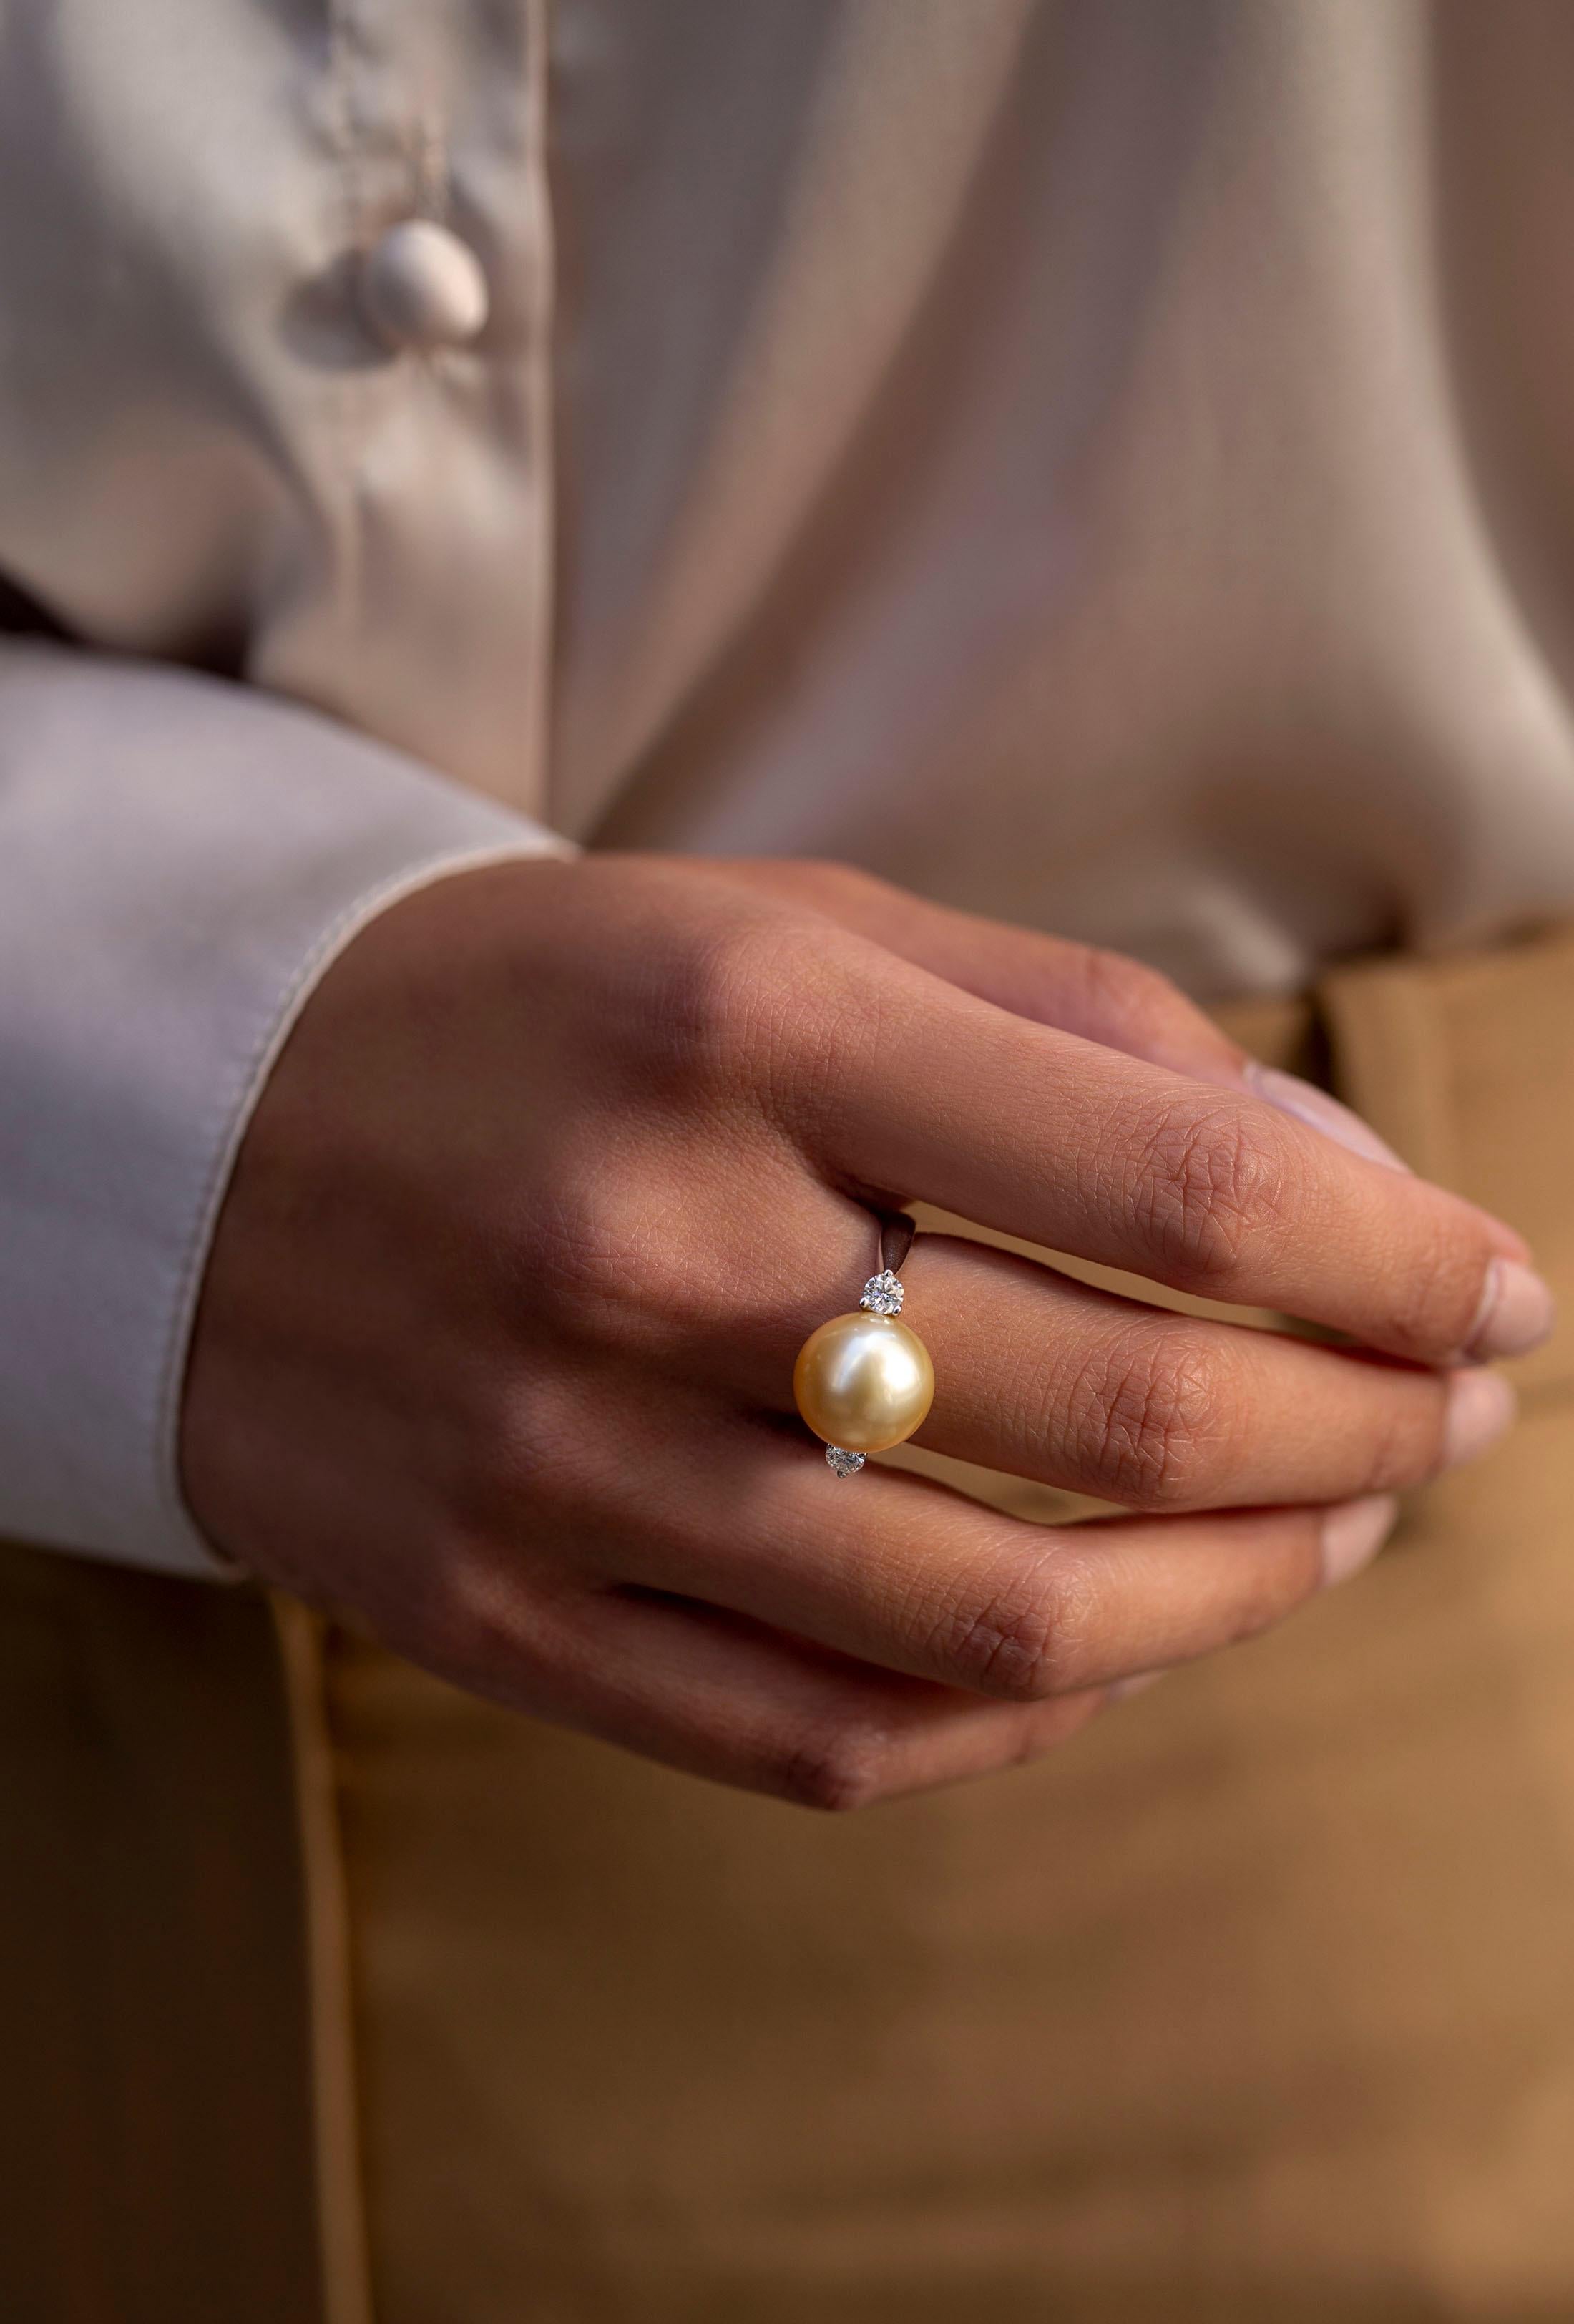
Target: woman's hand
563,1162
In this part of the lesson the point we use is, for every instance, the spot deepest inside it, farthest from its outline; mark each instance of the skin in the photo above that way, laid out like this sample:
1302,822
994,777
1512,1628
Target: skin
560,1166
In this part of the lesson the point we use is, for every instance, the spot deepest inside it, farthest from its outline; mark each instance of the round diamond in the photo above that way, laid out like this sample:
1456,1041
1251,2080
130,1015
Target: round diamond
883,1293
845,1463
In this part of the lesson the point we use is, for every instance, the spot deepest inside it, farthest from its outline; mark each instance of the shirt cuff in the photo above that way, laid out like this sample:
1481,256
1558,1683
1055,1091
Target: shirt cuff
180,860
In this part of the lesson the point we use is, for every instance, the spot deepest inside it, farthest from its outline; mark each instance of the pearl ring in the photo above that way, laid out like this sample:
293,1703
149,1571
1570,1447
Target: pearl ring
863,1381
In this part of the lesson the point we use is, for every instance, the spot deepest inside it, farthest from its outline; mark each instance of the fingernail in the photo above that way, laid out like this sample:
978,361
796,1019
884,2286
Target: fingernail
1482,1407
1353,1534
1137,1685
1315,1107
1516,1314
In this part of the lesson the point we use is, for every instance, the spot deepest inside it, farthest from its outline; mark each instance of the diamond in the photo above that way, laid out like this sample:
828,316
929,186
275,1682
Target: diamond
883,1293
846,1464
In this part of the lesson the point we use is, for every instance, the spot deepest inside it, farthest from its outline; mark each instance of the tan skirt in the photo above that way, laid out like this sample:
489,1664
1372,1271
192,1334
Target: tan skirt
331,1994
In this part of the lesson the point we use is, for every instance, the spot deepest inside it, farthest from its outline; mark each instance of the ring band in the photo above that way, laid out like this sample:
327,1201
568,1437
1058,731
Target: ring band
863,1381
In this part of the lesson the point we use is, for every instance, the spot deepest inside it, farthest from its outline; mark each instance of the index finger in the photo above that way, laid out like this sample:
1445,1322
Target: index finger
931,1095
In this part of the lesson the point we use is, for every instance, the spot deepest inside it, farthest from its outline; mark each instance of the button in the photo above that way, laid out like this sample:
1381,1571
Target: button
422,286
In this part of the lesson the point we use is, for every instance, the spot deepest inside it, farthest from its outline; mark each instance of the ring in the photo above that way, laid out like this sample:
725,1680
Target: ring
863,1381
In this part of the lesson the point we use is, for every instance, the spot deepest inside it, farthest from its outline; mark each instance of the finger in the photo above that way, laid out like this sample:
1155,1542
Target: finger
1104,996
902,1572
1049,1378
924,1092
716,1695
1051,980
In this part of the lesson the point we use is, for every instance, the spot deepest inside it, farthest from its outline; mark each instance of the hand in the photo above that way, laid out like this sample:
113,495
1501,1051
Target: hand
563,1160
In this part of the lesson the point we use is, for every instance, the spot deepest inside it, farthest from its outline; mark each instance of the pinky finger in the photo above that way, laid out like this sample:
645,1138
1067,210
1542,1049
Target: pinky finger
718,1695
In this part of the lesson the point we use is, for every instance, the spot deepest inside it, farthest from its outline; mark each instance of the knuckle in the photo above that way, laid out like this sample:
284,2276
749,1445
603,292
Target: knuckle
1436,1290
571,1250
457,1611
1158,1421
831,885
733,987
1273,1589
1114,989
470,1613
521,1447
1404,1445
834,1768
1205,1187
597,1257
761,1024
1018,1634
749,988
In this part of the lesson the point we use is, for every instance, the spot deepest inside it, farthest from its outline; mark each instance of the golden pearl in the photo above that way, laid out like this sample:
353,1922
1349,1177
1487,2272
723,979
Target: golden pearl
865,1381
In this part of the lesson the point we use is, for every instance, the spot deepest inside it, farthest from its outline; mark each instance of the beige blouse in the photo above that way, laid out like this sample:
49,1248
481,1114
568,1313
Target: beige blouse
1107,463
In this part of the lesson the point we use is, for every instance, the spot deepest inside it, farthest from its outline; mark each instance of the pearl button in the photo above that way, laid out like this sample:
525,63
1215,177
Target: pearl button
422,286
864,1382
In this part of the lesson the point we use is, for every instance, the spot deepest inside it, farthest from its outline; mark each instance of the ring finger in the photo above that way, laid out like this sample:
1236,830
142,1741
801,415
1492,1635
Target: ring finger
1048,1377
1045,1377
